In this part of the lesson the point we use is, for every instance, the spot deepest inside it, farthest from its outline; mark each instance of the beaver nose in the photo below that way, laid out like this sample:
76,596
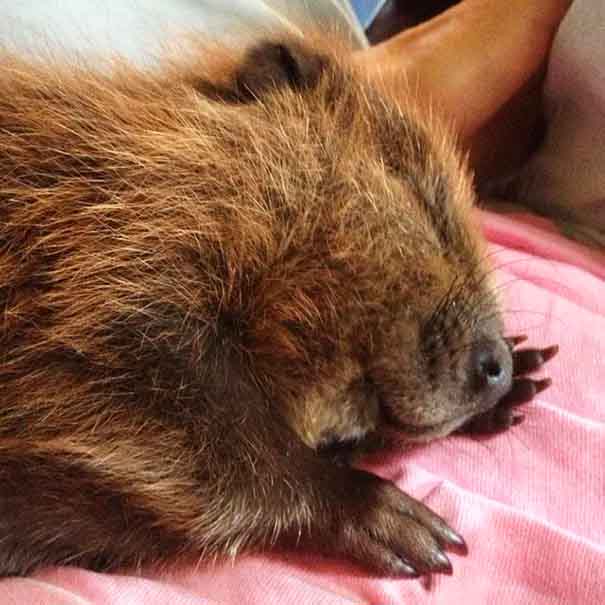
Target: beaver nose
491,369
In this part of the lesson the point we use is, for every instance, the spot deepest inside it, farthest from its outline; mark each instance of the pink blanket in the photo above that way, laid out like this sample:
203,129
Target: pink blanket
530,503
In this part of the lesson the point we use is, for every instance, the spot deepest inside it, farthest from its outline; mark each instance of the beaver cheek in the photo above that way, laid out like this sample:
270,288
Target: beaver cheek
414,412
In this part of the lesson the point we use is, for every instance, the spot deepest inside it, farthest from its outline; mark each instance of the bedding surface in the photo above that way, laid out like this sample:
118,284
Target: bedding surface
530,502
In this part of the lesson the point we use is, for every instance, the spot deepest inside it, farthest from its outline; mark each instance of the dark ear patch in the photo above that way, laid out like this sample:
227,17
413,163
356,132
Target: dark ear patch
272,65
265,67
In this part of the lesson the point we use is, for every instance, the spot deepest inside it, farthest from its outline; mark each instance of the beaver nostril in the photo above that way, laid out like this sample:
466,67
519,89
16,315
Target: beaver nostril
491,368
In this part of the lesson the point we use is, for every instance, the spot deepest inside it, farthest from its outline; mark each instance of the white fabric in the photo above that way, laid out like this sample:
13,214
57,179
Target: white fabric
140,29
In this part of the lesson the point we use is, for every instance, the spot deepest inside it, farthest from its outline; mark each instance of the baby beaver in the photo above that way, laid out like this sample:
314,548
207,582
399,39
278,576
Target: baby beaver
214,280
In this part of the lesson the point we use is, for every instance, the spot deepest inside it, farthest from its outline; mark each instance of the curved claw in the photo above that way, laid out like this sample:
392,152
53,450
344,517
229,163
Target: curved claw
523,391
408,570
492,422
513,341
518,419
526,361
392,533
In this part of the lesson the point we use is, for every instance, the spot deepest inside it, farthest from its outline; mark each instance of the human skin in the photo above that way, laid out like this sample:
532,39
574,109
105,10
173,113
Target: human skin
478,63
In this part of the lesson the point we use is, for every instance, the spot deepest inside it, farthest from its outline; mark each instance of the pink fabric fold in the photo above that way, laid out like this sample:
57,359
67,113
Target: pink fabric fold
530,503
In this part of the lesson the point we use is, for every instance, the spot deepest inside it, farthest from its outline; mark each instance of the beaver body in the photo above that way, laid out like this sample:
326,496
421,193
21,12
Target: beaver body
209,277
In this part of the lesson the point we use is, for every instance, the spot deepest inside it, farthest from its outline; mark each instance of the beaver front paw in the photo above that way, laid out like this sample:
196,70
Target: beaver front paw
391,533
504,415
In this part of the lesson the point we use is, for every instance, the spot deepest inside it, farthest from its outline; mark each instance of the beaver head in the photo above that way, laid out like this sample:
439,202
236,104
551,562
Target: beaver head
279,218
373,300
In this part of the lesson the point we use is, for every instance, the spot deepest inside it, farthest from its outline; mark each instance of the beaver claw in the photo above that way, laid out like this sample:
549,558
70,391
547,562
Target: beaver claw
391,533
524,389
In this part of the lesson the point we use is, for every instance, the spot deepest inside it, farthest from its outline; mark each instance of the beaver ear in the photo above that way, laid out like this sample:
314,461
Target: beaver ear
267,66
274,65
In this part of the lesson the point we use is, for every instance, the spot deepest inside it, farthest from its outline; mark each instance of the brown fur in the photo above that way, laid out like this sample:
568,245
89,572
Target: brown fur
205,278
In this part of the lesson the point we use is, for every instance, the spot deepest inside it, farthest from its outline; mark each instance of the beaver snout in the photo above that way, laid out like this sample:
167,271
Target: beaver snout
491,370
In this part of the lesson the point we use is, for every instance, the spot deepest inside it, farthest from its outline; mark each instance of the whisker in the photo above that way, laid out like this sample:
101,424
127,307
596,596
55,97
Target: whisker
502,285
